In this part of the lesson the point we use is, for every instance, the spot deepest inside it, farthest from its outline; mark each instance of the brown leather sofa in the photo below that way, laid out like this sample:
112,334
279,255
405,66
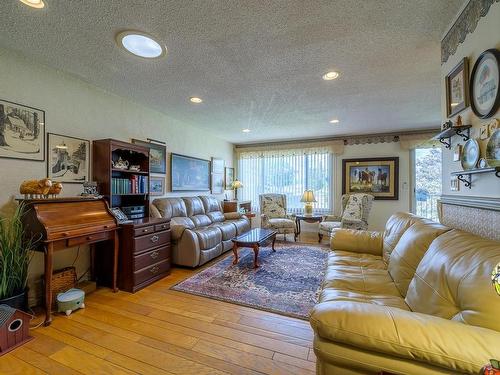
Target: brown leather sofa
200,230
415,299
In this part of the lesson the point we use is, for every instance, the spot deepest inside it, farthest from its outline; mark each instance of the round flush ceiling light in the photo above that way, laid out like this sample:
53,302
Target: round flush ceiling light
141,44
246,130
38,4
195,100
334,121
330,76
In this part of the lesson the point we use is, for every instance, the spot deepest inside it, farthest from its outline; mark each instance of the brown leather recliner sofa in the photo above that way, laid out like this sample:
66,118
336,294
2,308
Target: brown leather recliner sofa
200,230
415,299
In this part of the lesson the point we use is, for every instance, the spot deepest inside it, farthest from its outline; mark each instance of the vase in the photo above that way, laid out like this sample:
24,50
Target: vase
19,301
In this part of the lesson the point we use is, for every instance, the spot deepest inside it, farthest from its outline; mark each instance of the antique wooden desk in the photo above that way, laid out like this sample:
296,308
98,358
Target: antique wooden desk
60,223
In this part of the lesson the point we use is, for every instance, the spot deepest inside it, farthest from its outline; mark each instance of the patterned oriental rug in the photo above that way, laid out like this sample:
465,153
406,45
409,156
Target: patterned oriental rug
287,281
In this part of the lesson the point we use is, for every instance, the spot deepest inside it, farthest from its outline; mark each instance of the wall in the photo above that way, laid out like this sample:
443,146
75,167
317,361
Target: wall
485,36
78,109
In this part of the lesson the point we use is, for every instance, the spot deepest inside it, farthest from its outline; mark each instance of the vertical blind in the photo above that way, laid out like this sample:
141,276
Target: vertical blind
287,173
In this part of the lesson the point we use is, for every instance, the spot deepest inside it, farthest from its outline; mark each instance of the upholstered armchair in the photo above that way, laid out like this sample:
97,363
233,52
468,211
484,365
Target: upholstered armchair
354,215
274,215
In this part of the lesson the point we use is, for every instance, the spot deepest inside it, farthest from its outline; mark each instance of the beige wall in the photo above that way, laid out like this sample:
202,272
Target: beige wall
486,36
78,109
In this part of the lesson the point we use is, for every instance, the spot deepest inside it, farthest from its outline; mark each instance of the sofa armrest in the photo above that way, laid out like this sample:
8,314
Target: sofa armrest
396,332
357,241
232,215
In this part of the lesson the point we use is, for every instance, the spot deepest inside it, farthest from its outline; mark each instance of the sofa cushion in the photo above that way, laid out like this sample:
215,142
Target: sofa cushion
331,294
194,206
394,229
346,258
353,208
360,279
171,207
453,280
200,220
216,216
281,223
241,225
210,204
228,230
208,237
410,250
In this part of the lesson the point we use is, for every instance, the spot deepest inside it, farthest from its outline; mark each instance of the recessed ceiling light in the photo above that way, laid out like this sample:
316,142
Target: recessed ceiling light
196,100
330,75
334,121
246,130
140,44
38,4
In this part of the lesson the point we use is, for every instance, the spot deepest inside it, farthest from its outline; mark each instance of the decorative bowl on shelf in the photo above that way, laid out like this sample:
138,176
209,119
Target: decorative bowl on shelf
135,168
493,149
470,154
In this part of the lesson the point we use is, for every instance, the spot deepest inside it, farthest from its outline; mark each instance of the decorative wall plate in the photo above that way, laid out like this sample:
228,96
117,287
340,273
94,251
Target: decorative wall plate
470,154
493,149
484,84
482,163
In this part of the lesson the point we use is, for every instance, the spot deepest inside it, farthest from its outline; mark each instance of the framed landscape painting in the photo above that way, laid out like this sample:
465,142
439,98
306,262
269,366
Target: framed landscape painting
22,132
157,185
68,158
376,176
189,174
157,156
217,183
228,178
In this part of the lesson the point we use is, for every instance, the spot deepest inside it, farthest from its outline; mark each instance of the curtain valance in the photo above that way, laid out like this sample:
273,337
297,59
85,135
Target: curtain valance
290,149
422,140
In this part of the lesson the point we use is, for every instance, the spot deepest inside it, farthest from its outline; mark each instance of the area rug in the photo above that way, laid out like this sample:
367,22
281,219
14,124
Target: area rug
287,281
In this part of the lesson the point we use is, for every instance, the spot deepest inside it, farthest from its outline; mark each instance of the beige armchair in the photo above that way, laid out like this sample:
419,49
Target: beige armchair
274,215
354,215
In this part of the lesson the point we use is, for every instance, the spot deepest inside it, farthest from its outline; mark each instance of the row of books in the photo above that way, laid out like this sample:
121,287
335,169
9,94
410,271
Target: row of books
135,184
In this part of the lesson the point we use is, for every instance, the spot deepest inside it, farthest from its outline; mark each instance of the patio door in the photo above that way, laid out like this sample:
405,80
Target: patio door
427,181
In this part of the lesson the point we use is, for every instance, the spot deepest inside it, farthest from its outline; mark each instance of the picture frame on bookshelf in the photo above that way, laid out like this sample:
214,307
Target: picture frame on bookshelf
68,158
157,185
157,156
22,132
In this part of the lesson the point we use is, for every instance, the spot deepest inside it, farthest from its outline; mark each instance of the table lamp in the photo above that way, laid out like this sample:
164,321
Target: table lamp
236,185
308,198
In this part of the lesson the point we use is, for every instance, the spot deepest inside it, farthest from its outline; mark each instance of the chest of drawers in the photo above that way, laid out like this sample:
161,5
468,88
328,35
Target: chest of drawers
145,255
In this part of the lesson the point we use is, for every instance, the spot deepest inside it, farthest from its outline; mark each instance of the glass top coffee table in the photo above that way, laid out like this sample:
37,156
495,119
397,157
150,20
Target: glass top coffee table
255,238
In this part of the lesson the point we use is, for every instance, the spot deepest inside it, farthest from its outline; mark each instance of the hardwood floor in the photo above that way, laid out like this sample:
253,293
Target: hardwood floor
159,331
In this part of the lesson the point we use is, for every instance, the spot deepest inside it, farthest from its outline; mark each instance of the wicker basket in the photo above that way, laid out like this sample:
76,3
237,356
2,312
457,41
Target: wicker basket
62,280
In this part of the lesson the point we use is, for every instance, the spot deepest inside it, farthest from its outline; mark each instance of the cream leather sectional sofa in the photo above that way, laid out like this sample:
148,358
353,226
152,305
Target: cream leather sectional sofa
415,299
200,230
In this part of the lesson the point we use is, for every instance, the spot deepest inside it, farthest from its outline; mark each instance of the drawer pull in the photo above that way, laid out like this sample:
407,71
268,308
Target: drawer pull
155,238
154,269
90,238
154,254
145,230
106,226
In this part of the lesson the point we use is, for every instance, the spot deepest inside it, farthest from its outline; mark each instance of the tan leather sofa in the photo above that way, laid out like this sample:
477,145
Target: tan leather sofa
415,299
200,230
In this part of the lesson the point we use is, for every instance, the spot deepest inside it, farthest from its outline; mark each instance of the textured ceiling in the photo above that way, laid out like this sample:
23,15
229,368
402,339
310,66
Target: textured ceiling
257,64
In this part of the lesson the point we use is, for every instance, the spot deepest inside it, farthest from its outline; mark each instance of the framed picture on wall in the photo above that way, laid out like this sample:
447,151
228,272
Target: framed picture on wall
189,174
22,132
157,185
485,84
457,152
157,156
228,178
457,88
376,176
68,158
217,185
218,165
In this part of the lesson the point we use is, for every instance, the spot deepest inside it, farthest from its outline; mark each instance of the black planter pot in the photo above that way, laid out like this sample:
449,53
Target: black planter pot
19,301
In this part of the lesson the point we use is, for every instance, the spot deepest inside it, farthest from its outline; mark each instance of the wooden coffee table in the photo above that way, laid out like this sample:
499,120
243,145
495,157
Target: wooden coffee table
254,239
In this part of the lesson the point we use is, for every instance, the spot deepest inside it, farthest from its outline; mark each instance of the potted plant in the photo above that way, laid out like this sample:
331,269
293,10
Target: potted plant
14,260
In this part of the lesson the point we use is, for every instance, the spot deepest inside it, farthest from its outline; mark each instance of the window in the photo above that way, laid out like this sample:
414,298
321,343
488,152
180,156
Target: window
427,189
287,173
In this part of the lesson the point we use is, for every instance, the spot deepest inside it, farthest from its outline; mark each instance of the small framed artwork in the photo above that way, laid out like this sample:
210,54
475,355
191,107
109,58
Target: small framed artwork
68,158
454,183
157,156
157,185
22,132
457,88
484,84
457,152
228,178
217,183
217,165
484,131
376,176
493,125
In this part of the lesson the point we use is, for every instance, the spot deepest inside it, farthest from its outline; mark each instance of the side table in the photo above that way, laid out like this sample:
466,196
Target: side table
308,218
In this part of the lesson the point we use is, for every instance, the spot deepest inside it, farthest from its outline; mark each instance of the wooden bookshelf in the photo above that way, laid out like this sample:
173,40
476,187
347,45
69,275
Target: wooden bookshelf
106,151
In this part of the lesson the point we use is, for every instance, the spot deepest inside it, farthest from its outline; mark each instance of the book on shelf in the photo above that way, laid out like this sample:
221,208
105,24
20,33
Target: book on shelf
135,184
